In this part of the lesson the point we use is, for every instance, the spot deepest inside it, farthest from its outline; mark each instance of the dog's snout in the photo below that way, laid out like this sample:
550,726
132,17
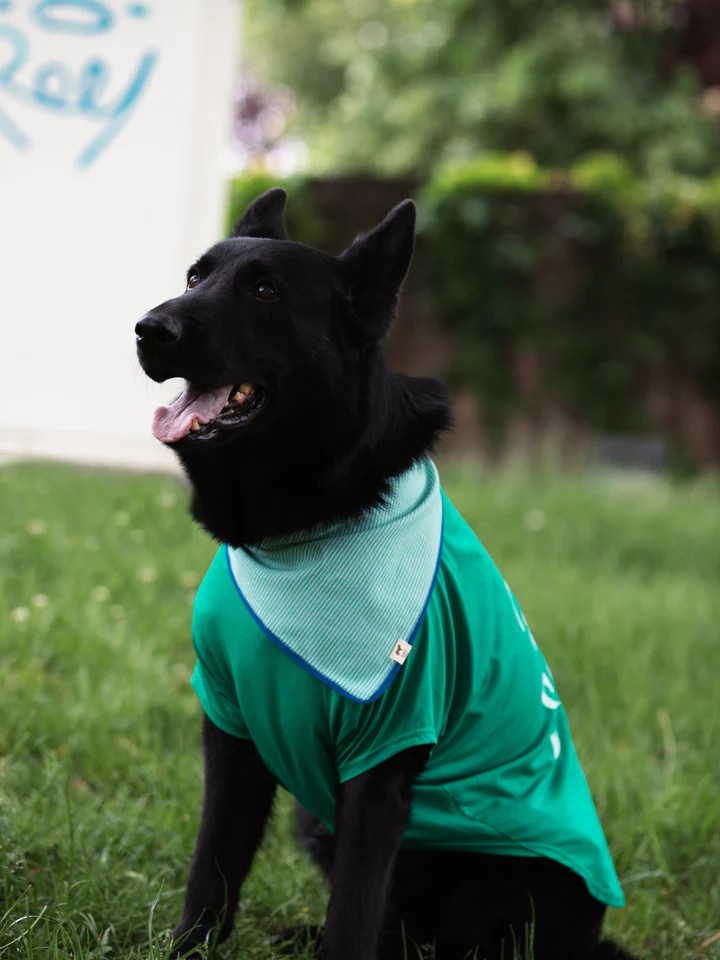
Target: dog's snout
154,329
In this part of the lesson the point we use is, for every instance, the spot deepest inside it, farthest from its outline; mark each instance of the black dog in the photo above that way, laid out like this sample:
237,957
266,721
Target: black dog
291,423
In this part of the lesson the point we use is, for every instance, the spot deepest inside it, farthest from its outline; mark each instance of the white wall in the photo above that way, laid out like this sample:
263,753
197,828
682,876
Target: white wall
113,117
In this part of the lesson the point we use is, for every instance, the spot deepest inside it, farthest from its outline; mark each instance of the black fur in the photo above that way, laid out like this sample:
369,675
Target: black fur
335,426
337,422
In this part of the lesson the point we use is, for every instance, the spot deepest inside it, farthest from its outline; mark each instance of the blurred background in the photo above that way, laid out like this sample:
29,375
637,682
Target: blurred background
565,158
564,155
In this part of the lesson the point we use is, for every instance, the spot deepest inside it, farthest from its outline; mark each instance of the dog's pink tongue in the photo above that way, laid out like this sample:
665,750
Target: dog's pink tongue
174,422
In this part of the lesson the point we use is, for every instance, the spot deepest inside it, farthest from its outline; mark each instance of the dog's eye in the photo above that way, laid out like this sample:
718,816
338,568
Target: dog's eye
263,291
193,281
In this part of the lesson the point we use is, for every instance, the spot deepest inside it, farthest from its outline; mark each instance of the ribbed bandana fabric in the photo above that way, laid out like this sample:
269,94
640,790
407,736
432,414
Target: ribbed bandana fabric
339,599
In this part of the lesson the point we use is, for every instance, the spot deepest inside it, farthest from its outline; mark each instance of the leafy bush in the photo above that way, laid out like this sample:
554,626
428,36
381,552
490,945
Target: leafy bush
398,87
606,279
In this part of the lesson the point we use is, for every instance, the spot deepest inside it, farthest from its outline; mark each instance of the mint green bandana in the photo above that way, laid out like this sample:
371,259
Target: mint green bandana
346,600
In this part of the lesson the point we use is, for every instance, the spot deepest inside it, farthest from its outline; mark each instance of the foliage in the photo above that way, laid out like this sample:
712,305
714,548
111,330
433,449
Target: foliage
100,774
590,271
399,86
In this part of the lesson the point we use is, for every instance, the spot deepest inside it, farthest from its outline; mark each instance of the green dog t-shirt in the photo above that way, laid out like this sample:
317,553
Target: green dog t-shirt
335,649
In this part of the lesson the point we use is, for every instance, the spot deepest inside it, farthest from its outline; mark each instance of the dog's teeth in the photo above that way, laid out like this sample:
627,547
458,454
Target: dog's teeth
238,397
195,425
245,389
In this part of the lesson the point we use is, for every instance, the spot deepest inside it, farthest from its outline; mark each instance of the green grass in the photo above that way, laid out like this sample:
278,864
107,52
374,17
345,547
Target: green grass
100,777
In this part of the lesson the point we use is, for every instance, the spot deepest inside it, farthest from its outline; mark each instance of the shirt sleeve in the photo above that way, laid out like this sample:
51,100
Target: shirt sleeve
215,691
218,709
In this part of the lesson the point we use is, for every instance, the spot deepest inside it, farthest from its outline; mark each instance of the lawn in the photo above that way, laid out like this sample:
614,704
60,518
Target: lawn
100,777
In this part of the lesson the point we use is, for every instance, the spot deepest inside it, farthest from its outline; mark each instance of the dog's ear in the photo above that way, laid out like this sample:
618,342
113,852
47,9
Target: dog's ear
265,217
375,266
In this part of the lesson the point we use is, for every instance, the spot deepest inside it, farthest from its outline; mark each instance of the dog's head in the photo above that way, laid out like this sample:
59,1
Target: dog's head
272,332
290,416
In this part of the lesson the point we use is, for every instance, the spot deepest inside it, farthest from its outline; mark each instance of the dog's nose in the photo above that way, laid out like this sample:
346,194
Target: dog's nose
154,329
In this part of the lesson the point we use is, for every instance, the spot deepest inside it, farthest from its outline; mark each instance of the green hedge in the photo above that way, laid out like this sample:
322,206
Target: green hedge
636,270
605,278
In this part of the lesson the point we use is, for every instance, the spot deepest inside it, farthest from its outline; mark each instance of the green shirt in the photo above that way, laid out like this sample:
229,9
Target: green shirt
503,776
343,596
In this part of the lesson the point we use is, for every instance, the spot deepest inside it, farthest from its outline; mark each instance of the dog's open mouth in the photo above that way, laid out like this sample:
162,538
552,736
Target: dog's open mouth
199,413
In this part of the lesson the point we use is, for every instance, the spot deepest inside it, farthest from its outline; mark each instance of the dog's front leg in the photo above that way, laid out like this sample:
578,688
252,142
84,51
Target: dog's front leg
371,814
238,797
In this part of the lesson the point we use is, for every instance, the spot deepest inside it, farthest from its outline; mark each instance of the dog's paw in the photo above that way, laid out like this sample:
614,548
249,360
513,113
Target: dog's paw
192,942
301,941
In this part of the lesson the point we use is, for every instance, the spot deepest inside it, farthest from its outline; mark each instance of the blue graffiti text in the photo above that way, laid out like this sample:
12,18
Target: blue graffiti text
84,17
56,88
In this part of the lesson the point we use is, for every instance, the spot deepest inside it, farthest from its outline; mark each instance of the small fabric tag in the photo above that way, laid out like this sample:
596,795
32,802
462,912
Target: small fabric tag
400,651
